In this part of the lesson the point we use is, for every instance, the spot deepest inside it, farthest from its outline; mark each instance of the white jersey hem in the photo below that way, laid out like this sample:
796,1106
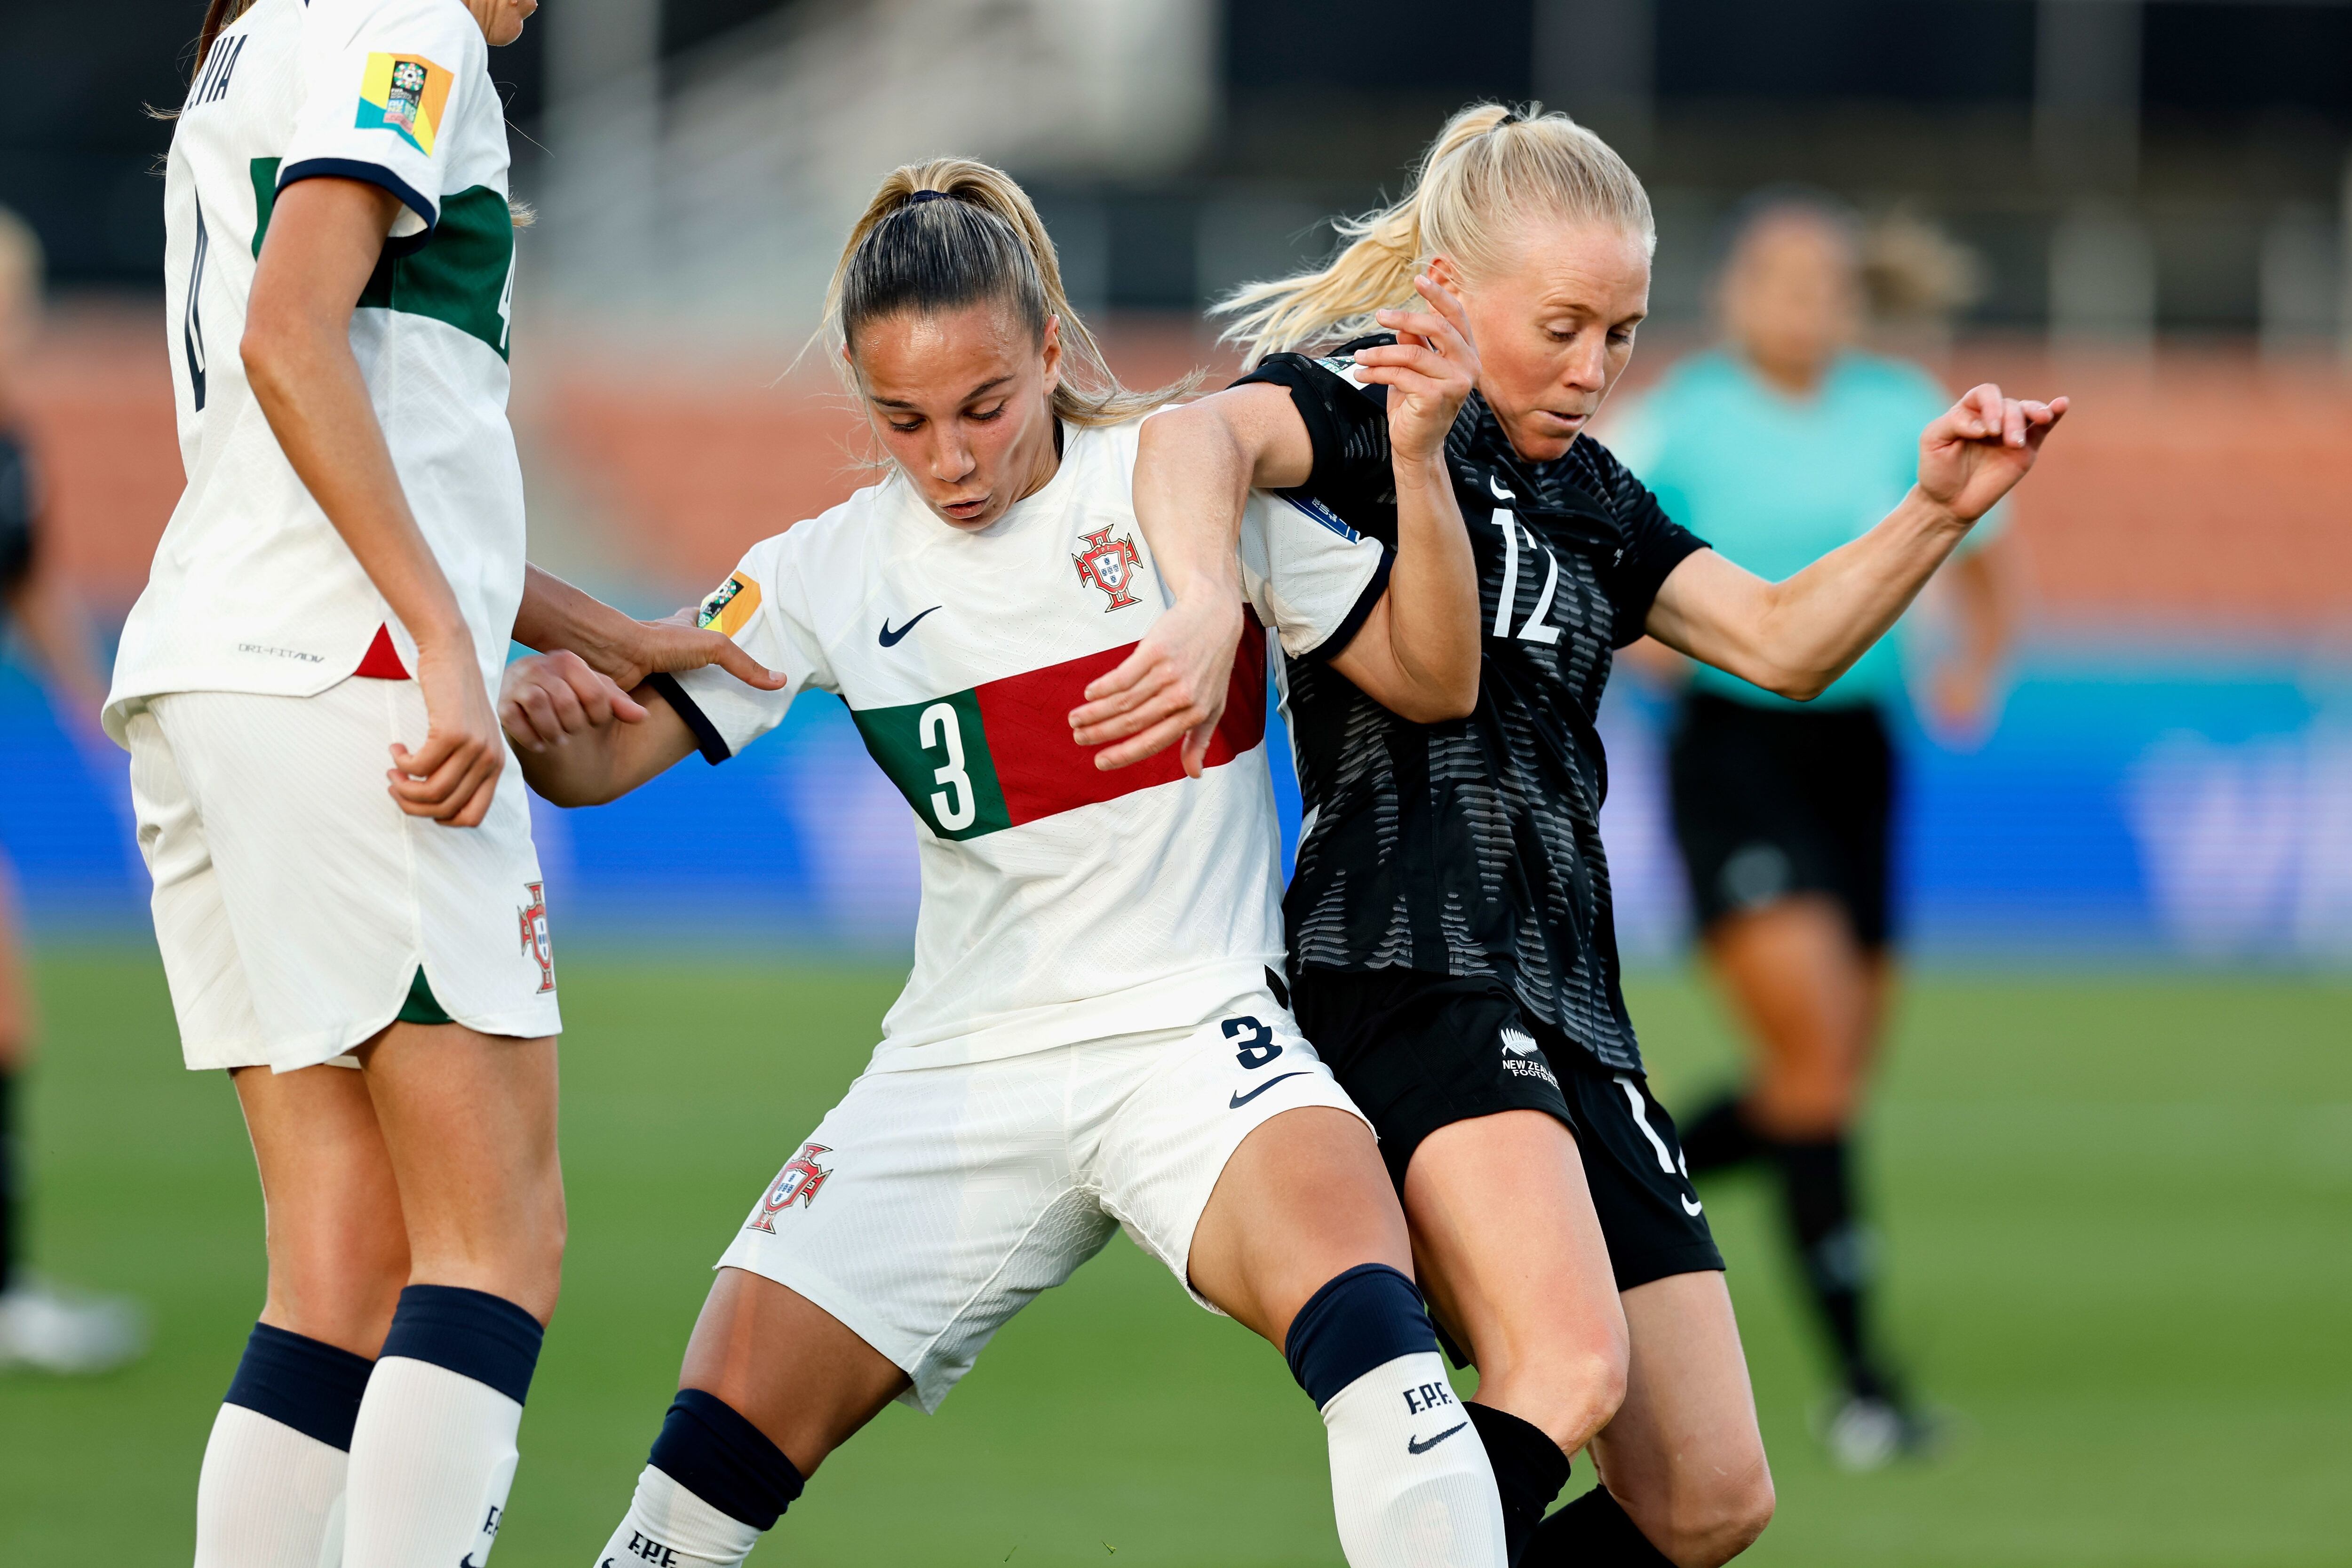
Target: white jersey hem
1174,1002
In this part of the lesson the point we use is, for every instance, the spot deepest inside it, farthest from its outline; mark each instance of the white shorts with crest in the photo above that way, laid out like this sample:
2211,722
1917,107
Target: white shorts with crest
294,904
932,1203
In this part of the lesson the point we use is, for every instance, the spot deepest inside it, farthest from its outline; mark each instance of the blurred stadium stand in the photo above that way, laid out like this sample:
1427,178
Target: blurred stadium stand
2158,195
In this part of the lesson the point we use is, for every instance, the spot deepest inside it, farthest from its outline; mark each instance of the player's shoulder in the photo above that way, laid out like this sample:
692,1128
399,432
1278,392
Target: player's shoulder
445,27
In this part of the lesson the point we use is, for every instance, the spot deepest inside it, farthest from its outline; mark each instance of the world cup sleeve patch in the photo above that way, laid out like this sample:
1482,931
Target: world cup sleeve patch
729,609
404,93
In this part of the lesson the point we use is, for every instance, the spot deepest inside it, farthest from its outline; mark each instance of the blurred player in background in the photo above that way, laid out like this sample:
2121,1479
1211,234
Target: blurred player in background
1782,445
1092,1036
1452,942
40,1326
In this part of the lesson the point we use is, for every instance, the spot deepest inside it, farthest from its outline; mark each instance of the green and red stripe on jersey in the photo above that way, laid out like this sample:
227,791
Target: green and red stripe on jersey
999,754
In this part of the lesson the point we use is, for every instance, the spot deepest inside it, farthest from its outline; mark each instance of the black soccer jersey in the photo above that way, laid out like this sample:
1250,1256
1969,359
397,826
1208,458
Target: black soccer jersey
1473,848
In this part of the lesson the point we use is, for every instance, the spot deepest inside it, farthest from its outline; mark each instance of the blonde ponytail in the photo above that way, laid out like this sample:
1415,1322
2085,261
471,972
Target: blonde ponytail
1490,169
954,232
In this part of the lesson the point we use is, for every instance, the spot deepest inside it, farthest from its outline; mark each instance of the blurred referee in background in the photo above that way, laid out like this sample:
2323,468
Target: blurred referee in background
1778,446
41,1327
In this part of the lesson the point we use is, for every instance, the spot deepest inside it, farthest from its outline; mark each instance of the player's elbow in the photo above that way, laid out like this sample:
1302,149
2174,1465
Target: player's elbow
1436,701
270,350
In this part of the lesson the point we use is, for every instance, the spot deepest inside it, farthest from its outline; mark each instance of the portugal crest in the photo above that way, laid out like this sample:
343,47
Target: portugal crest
1110,565
535,944
796,1182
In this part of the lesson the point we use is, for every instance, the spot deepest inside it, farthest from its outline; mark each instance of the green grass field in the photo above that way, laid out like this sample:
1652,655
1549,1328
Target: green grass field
2117,1212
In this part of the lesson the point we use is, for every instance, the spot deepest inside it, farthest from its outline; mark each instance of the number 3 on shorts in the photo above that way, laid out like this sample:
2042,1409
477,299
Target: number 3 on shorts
1257,1046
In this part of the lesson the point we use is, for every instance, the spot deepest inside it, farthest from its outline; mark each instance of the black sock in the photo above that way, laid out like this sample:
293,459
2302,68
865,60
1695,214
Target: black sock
11,1198
1529,1471
1592,1532
1720,1138
1834,1247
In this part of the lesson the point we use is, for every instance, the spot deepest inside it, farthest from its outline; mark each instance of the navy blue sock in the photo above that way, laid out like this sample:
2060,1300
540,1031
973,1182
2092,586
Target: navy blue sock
1594,1531
1361,1319
305,1383
707,1447
470,1332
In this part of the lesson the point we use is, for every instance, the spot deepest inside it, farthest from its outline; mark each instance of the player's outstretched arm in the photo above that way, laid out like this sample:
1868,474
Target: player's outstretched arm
581,741
1193,471
555,616
1796,636
1417,653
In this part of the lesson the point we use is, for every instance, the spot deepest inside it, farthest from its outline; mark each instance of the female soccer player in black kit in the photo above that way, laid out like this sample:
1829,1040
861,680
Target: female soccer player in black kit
1452,947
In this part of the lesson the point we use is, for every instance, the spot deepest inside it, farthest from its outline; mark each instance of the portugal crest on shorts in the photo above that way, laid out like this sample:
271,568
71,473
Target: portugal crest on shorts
1110,565
533,915
797,1182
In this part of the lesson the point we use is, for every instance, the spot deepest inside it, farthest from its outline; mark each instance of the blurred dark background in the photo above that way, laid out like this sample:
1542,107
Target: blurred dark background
2202,142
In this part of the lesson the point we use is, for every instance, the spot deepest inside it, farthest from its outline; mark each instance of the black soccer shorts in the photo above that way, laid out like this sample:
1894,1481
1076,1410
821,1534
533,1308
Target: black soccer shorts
1768,802
1418,1051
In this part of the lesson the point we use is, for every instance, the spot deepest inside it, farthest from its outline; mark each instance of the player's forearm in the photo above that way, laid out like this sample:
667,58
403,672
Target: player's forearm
1192,480
1811,628
556,615
310,388
1983,608
1433,597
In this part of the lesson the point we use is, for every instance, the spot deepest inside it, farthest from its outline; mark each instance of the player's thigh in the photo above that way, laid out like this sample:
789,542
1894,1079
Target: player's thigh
1302,1200
1233,1155
788,1366
338,1248
470,1126
1802,984
927,1208
1684,1455
1512,1258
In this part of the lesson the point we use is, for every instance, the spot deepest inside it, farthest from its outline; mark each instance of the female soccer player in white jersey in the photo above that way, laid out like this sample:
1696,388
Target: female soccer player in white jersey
1092,1036
330,603
1451,937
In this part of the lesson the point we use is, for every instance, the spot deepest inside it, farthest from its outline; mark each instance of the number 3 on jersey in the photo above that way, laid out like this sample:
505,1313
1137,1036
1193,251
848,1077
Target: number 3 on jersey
937,754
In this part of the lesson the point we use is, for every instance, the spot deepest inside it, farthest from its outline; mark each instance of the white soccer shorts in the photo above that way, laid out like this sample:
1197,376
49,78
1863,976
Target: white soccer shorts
295,903
932,1203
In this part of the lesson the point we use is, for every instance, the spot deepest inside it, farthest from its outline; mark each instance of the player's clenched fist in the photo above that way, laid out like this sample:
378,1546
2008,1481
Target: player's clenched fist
547,699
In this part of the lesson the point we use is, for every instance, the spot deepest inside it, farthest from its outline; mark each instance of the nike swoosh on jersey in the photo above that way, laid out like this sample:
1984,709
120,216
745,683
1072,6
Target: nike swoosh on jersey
889,638
1690,1204
1242,1099
1415,1446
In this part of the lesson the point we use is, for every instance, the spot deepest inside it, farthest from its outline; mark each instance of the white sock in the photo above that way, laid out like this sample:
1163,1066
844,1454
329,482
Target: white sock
669,1527
269,1497
1410,1479
432,1458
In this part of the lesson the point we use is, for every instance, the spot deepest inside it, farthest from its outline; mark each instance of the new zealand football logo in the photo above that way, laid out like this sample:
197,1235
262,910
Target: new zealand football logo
533,916
797,1182
1110,565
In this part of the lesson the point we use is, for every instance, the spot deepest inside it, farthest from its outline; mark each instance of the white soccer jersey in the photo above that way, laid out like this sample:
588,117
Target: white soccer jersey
252,589
1060,903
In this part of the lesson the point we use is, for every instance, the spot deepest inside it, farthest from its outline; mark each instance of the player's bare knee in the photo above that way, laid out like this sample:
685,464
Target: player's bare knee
1708,1525
1571,1394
